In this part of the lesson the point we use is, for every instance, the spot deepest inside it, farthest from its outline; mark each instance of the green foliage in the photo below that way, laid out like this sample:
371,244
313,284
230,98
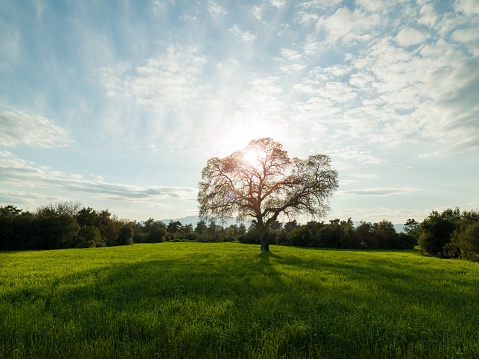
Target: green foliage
157,233
301,236
54,231
342,234
89,236
61,225
227,300
467,241
436,231
411,227
450,234
261,182
125,236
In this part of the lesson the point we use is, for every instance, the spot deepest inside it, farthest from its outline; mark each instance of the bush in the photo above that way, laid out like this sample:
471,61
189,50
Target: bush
54,232
436,230
301,236
88,236
253,236
467,240
157,235
125,237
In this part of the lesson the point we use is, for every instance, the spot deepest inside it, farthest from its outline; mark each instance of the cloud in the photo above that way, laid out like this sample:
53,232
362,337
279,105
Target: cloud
170,80
28,198
380,191
319,4
160,5
278,3
365,175
215,9
347,25
455,112
371,5
256,12
468,7
409,37
291,61
470,37
18,127
359,155
15,171
245,35
428,15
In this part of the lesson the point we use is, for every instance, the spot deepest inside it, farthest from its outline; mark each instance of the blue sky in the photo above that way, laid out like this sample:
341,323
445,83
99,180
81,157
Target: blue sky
119,104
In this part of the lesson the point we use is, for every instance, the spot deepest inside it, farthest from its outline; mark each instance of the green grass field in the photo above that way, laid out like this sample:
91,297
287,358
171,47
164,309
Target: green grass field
228,300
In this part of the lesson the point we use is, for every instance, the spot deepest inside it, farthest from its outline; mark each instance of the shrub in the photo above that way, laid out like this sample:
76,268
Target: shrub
467,240
125,237
88,236
436,230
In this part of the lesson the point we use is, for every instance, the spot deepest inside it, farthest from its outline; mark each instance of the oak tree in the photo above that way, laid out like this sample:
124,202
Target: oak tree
261,182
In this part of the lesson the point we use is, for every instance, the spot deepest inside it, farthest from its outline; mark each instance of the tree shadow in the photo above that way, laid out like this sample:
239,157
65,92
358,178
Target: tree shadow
257,293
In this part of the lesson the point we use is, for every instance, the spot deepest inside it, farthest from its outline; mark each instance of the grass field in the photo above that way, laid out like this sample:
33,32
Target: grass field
228,300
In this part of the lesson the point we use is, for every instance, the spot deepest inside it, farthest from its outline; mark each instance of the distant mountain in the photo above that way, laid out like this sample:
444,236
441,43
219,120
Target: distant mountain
193,220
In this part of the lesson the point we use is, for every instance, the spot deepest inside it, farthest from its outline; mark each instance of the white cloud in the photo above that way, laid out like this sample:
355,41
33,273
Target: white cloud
245,35
347,25
359,155
365,175
169,80
320,4
469,36
361,80
468,7
409,37
17,172
428,15
290,55
28,198
278,3
306,17
17,127
371,5
256,12
454,113
162,4
215,9
380,191
291,61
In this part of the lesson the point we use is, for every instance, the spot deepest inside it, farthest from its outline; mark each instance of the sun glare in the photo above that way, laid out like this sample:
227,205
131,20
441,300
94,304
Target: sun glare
250,157
235,133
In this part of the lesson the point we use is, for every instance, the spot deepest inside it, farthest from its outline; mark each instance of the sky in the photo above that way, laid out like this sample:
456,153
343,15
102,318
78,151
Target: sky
118,104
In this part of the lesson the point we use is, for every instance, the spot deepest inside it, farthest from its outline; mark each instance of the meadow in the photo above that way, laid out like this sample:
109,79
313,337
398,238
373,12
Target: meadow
229,300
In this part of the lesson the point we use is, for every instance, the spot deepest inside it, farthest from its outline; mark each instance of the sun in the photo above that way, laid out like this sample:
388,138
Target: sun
236,132
250,156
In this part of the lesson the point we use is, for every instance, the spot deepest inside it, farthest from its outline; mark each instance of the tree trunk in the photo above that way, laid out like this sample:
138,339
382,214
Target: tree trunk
264,245
264,234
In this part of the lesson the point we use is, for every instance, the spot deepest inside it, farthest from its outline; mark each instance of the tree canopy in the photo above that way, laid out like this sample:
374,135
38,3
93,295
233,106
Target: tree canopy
262,182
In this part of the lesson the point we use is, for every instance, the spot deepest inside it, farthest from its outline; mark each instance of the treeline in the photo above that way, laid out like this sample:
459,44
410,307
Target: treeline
450,234
153,231
70,225
62,225
337,234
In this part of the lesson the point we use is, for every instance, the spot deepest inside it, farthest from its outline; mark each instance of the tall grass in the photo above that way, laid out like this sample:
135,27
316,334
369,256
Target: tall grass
227,300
